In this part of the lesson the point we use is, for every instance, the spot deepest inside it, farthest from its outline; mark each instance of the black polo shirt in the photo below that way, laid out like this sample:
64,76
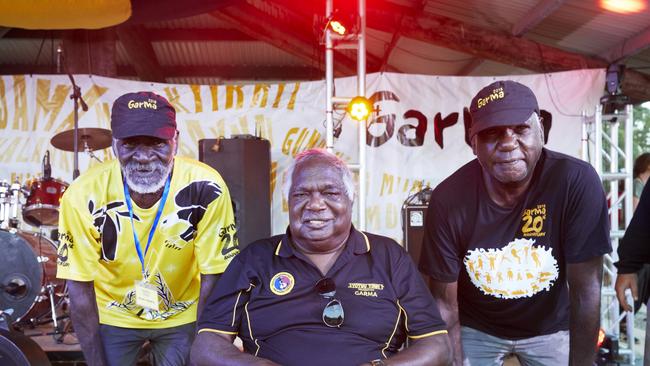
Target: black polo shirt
267,297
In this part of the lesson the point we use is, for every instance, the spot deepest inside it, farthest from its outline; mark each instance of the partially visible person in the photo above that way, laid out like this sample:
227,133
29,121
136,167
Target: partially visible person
641,173
514,241
633,254
143,239
323,293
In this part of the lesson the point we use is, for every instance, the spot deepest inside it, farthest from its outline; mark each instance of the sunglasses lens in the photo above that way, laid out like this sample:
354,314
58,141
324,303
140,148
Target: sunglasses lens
333,314
325,287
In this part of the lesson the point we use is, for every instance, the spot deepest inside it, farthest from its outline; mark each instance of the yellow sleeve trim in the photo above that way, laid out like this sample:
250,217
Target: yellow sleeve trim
216,331
429,334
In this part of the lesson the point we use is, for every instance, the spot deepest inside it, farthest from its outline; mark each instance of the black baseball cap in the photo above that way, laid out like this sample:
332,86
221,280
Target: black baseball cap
143,114
502,103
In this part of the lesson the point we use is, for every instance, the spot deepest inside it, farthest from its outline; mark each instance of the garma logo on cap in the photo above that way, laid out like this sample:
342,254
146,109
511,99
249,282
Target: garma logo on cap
496,94
147,104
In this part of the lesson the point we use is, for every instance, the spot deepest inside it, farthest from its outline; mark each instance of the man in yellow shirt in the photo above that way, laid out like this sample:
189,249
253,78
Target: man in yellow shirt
143,240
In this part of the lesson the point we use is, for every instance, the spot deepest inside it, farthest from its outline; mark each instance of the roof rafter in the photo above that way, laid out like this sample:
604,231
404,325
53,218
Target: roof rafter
628,47
269,29
140,52
543,9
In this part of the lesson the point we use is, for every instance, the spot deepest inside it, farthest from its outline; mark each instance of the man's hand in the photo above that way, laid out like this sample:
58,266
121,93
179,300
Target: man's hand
623,282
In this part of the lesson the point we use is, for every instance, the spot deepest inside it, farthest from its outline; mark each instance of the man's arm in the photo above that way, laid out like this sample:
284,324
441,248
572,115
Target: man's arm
208,281
431,351
446,296
623,282
210,348
83,311
585,280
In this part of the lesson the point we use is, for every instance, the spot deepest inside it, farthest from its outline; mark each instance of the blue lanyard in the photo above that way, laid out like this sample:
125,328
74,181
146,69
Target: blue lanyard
155,221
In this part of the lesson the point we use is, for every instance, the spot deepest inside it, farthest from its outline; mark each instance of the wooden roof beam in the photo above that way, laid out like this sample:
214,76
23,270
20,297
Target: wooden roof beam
140,52
628,47
225,72
543,9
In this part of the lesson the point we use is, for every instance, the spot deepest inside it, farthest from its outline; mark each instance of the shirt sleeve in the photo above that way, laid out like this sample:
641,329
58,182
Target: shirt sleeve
422,317
439,257
79,249
586,228
225,305
634,248
216,237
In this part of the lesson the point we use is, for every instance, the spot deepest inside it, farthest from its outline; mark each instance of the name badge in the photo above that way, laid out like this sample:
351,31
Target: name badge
146,295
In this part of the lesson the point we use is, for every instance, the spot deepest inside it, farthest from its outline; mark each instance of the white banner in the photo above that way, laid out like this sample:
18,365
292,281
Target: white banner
415,139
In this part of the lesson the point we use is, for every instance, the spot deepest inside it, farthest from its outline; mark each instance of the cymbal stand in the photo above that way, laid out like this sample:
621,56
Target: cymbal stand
50,292
78,99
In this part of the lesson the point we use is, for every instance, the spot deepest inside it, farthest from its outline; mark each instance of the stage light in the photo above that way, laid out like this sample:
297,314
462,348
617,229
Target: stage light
614,102
359,108
337,27
624,6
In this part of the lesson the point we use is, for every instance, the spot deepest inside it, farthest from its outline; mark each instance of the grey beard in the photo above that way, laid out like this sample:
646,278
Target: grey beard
151,181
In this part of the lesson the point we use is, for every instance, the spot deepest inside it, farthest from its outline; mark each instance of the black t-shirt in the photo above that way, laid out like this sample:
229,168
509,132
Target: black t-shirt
634,248
267,297
510,263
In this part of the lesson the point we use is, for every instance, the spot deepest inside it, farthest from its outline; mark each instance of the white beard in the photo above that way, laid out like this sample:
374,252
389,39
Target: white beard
146,178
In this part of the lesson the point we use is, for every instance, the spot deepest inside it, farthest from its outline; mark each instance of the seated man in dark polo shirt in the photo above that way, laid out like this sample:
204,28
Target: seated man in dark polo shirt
323,293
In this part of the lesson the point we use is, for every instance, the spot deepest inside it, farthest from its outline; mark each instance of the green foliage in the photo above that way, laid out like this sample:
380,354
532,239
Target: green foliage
641,140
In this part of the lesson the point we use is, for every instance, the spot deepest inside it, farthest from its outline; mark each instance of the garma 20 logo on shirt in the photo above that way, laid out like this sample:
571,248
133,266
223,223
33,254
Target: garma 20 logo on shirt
520,269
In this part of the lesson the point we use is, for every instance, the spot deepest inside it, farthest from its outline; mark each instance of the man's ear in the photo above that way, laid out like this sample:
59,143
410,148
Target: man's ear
473,144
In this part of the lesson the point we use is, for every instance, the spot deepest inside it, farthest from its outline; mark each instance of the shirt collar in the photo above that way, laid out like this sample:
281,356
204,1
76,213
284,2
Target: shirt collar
357,242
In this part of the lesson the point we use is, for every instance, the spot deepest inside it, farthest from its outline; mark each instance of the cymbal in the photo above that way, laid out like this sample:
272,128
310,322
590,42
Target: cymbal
95,138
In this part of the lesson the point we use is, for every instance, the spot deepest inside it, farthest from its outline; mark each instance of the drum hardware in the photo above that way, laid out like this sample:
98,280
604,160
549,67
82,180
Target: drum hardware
28,285
9,202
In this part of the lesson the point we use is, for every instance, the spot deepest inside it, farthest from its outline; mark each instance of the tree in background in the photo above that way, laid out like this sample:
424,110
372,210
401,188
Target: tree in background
641,130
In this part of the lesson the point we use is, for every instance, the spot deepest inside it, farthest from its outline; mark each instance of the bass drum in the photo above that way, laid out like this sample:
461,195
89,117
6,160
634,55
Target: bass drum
27,270
19,350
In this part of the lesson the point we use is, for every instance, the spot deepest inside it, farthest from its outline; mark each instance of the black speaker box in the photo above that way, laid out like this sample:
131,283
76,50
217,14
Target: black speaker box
413,219
245,165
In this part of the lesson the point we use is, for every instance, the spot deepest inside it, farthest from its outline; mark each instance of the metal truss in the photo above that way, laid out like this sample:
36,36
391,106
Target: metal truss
613,161
333,102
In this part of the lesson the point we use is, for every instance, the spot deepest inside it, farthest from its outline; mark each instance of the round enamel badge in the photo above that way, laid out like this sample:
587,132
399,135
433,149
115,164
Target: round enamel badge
282,283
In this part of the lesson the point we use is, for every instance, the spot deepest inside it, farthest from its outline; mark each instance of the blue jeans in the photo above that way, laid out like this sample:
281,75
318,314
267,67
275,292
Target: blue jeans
482,349
169,346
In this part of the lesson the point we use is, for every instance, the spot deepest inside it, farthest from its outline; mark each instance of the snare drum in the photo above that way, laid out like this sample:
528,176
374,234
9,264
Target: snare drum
27,268
42,205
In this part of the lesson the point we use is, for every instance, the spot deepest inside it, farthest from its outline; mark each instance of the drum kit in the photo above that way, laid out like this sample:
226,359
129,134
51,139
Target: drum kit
30,293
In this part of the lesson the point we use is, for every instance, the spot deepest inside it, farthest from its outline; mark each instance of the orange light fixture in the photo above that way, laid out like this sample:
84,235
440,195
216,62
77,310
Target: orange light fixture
337,27
624,6
359,108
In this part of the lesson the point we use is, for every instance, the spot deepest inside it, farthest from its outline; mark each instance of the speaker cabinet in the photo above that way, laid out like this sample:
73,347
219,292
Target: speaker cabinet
245,165
413,219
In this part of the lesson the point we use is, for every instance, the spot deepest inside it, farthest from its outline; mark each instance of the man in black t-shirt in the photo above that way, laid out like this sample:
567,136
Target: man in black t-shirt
633,253
514,241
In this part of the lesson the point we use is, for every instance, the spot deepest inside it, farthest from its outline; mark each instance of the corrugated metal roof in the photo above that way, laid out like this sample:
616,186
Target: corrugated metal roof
202,21
222,53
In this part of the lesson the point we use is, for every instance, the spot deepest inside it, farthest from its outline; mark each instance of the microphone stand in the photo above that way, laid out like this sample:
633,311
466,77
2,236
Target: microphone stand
78,99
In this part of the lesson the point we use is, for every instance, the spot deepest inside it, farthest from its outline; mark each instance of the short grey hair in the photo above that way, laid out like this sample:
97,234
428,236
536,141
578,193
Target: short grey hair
332,159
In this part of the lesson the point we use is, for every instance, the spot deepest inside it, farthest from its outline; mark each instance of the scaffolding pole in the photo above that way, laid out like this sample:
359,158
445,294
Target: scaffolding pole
332,101
601,147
